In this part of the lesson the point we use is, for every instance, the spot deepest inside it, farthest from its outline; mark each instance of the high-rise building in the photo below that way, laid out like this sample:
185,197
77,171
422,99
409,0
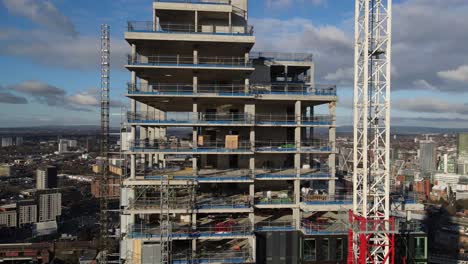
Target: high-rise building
224,147
462,145
49,204
18,141
46,178
27,212
8,215
427,157
7,141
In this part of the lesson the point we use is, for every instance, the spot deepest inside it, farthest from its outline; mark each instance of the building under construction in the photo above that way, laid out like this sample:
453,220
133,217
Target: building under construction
231,152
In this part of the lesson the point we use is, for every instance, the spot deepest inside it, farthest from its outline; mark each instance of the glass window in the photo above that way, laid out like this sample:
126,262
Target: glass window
339,249
310,250
420,247
325,249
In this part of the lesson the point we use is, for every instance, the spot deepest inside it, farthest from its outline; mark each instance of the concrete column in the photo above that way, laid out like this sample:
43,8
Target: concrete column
246,85
196,21
246,57
253,245
331,139
155,20
251,193
132,166
297,217
194,129
195,55
297,129
230,22
134,53
195,83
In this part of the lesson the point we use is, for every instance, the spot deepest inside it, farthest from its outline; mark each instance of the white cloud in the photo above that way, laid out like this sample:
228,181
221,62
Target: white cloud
288,3
42,12
459,74
430,105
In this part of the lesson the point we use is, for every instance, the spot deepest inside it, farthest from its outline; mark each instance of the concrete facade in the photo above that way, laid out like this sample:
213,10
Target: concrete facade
235,133
49,203
46,178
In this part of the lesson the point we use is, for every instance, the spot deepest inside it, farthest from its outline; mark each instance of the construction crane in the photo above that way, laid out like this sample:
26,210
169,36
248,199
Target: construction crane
104,180
371,234
165,232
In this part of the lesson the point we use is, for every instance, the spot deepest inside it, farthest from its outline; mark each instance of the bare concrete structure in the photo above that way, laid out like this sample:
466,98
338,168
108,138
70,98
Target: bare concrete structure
224,142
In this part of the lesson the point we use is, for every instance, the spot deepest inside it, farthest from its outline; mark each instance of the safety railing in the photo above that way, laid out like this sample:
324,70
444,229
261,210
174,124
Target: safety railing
190,118
277,119
410,227
154,231
315,145
275,146
226,228
223,202
317,173
325,199
278,225
216,2
286,88
276,198
230,89
224,175
155,203
290,146
275,173
182,60
314,228
149,26
173,146
282,56
223,256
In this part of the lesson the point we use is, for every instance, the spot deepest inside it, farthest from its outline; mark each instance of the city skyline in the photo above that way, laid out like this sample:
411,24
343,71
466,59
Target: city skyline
55,80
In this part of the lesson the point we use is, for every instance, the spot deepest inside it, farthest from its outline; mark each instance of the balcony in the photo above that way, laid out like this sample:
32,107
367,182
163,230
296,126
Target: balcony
190,118
189,61
172,28
313,146
188,89
208,147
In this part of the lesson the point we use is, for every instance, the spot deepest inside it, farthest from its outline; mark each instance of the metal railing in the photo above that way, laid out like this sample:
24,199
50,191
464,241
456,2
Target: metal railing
183,60
223,202
282,56
215,2
223,175
282,225
275,173
288,146
155,203
223,256
278,119
294,89
277,197
149,26
313,228
153,231
325,199
228,228
231,89
319,173
190,118
172,146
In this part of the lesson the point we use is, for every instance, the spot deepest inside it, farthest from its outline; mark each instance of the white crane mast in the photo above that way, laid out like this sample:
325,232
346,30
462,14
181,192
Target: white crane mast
371,154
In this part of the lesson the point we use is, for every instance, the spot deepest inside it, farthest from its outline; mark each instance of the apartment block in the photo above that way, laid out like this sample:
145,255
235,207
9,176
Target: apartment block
49,204
231,151
27,212
46,178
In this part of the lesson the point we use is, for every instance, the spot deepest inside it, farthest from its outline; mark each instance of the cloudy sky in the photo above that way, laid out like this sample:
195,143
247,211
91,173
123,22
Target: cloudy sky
49,53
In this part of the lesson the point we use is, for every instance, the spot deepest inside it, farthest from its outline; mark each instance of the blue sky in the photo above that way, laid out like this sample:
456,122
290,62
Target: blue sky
49,52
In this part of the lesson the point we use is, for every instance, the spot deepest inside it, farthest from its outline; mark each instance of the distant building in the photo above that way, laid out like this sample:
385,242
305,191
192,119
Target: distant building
462,145
49,204
18,141
7,142
427,157
65,145
8,216
27,212
46,178
7,170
